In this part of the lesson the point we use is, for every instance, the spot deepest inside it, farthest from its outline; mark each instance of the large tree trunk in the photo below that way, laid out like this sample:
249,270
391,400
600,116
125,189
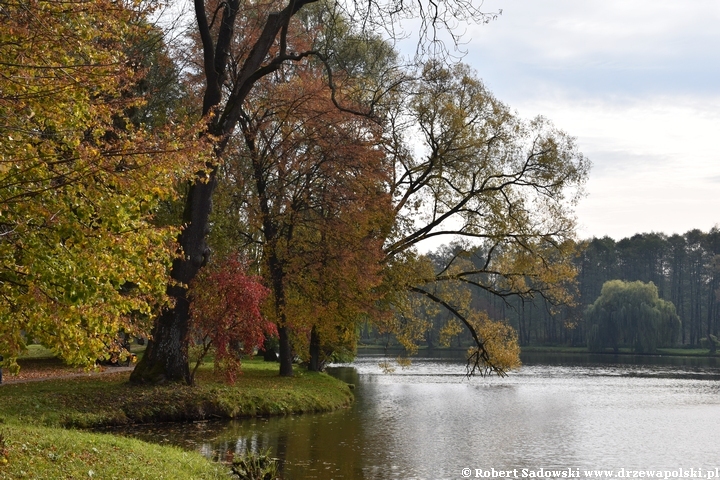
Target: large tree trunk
166,358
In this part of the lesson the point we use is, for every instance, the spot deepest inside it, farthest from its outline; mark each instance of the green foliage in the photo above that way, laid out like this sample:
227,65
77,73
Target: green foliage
632,314
255,466
685,268
710,342
81,174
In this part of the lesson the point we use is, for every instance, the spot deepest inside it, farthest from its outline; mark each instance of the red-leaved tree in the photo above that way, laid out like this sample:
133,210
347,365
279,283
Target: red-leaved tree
226,316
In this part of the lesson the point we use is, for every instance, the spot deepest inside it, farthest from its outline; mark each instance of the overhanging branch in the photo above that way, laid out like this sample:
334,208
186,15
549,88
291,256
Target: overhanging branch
479,361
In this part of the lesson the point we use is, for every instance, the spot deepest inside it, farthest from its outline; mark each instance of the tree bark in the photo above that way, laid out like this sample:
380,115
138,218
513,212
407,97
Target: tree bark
286,353
166,357
315,364
285,345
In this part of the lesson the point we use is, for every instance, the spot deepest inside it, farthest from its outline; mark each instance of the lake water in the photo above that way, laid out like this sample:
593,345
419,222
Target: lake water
429,421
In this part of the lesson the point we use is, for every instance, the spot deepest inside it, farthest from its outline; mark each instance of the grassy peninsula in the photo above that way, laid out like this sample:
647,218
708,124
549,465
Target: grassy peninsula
39,421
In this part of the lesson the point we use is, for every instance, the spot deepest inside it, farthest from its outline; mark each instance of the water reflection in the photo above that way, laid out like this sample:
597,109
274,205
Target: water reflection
429,421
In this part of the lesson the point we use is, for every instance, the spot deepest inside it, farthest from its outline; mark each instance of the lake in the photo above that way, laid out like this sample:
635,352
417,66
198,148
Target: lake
563,413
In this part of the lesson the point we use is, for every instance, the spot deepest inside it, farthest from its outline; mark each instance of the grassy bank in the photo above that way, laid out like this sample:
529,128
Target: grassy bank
34,418
53,453
109,400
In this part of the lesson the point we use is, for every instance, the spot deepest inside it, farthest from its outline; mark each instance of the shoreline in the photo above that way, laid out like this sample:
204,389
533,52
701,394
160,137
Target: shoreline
662,352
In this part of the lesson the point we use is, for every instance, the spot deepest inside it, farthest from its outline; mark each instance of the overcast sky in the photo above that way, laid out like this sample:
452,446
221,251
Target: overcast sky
637,82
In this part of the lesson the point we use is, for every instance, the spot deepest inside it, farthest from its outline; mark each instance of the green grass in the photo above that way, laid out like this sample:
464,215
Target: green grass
109,400
49,453
35,418
553,349
37,351
686,352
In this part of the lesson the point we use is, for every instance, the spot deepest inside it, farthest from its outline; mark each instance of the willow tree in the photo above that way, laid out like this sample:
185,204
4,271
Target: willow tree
84,161
631,314
466,167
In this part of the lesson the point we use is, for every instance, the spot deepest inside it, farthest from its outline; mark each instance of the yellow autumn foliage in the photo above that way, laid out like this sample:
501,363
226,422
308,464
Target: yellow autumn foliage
81,176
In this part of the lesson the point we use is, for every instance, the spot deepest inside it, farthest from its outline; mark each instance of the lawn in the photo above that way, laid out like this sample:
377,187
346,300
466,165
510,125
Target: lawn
39,420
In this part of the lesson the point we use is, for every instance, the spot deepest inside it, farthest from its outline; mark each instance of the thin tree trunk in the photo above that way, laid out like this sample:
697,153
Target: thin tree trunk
277,277
286,353
314,365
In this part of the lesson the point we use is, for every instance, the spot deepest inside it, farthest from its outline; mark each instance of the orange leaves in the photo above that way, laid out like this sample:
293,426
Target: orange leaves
311,184
500,343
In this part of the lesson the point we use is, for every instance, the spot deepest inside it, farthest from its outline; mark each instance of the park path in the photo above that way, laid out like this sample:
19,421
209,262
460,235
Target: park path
30,375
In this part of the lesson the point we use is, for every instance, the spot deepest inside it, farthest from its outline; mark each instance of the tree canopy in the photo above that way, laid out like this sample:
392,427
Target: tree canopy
84,160
238,45
336,163
443,158
465,167
308,181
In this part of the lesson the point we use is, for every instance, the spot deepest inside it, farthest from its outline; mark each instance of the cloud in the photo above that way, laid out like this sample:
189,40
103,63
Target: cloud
652,160
599,48
636,82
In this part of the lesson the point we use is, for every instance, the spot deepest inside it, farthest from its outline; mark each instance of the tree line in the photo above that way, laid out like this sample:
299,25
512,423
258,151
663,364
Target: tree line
683,270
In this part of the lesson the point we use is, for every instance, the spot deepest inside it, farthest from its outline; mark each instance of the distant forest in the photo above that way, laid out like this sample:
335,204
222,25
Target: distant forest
685,268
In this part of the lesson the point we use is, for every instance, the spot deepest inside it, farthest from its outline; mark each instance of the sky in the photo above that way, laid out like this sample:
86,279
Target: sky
637,82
